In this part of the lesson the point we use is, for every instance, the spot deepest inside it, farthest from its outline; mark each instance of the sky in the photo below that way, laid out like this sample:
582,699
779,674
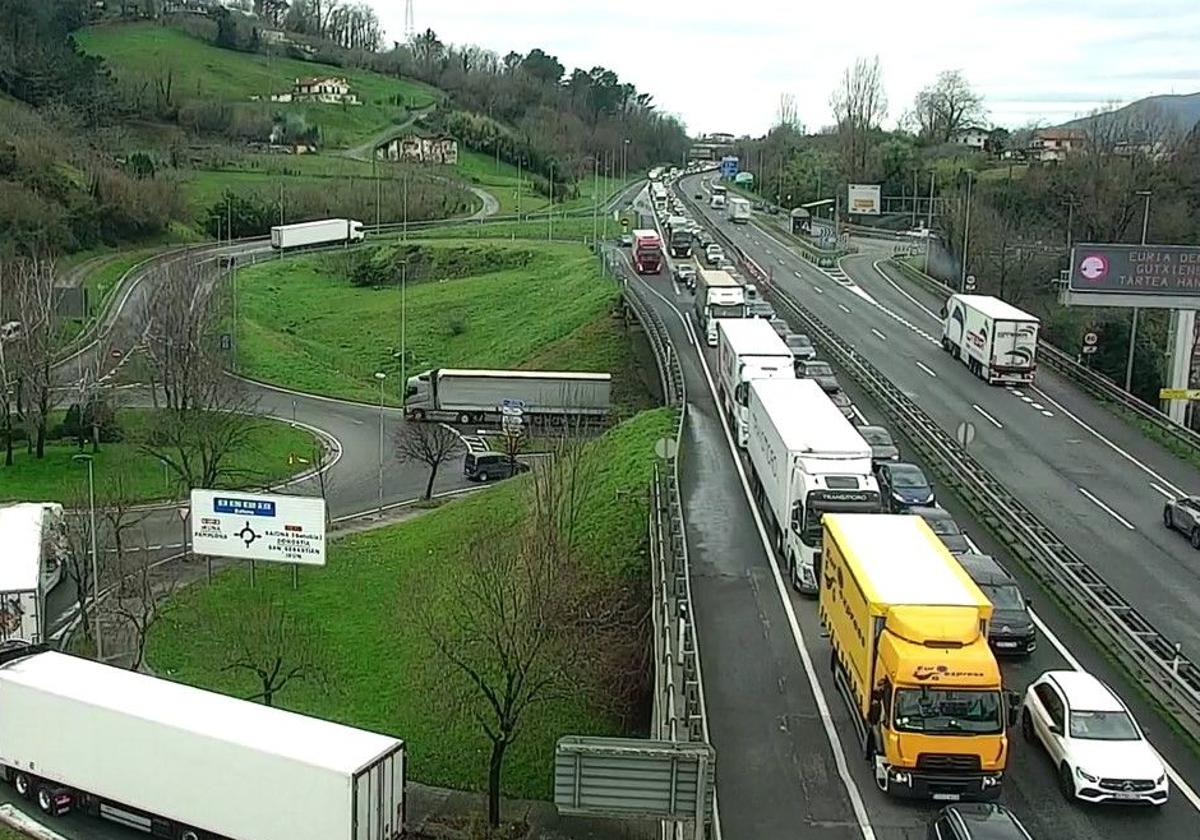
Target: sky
723,66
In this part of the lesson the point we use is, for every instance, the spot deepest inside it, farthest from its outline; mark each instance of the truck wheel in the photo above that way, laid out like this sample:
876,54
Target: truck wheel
464,418
45,800
22,785
189,834
483,476
418,414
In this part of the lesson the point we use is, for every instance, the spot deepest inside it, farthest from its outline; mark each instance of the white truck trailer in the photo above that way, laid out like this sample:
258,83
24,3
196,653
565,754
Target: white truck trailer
718,295
477,396
997,341
178,762
34,544
312,234
806,460
739,210
747,349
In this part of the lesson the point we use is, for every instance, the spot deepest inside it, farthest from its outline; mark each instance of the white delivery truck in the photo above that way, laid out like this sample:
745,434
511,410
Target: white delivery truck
34,541
739,210
311,234
806,460
718,295
997,341
476,396
178,762
747,349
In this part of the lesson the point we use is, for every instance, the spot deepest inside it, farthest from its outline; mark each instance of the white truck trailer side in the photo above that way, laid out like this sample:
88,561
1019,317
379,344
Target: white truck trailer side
320,232
31,564
476,396
747,349
739,210
806,460
189,764
997,341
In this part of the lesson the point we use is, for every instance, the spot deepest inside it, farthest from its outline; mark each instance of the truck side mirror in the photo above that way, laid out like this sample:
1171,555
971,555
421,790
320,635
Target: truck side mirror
874,711
1012,701
943,312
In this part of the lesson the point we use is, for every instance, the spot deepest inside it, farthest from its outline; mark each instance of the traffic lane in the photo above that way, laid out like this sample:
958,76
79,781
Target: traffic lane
776,776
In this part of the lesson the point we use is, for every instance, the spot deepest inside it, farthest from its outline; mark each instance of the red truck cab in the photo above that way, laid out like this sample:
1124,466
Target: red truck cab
647,252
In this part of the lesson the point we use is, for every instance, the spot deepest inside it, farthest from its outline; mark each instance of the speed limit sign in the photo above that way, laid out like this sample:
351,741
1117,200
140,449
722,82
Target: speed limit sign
1090,338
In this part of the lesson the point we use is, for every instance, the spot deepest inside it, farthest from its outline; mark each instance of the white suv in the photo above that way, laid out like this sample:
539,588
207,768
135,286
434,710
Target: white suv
1101,753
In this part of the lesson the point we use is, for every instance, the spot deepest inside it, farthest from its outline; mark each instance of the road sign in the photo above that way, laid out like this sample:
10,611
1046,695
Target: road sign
226,341
1090,338
965,433
1145,270
969,286
1179,394
665,448
1089,349
184,510
254,526
116,354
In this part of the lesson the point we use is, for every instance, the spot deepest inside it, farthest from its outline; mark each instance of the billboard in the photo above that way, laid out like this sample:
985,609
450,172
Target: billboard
253,526
863,200
1135,269
729,166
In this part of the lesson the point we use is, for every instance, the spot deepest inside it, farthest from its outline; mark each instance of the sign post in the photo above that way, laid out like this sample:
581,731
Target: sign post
965,433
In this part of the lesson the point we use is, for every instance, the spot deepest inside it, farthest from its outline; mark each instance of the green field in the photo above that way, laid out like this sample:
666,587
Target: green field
56,477
201,71
501,181
381,670
290,335
575,229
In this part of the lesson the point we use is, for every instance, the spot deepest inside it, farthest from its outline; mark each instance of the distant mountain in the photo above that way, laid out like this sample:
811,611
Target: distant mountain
1181,111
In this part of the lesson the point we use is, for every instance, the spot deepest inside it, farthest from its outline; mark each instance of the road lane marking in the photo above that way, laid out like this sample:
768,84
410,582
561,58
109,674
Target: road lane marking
1047,413
818,290
988,417
927,369
862,420
1037,405
844,308
1107,509
912,299
1162,492
878,334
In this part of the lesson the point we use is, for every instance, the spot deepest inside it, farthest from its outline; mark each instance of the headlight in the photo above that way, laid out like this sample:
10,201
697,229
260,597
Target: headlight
1161,779
897,497
1079,771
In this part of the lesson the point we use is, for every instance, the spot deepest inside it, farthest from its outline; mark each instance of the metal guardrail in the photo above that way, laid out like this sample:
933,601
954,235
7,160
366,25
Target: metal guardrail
1154,660
1095,384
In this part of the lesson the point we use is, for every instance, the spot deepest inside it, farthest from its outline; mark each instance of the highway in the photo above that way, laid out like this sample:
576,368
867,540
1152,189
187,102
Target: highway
788,763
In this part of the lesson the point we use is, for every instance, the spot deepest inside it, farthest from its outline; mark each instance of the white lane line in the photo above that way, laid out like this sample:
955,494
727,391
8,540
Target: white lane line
844,308
1047,413
1038,406
927,369
798,274
1162,492
988,417
862,419
1107,509
878,334
818,290
911,299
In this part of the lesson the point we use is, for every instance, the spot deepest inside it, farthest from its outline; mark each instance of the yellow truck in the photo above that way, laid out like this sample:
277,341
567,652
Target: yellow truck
910,656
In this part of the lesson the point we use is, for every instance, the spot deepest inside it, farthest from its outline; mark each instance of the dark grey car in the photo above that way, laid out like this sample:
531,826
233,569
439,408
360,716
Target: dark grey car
801,346
1011,630
759,309
904,486
821,372
942,523
883,448
1183,514
976,821
490,466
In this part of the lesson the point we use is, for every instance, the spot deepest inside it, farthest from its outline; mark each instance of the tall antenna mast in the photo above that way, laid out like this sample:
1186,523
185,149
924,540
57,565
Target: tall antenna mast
409,28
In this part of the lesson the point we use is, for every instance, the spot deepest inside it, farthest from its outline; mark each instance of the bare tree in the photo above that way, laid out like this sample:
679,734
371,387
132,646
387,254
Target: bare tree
430,444
77,565
947,105
139,596
859,104
10,334
789,115
35,311
270,643
117,505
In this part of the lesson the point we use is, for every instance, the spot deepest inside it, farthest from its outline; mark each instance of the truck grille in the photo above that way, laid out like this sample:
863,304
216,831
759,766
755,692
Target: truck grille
947,763
1127,785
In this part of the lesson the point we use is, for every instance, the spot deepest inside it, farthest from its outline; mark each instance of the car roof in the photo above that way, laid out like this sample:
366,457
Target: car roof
870,427
984,569
905,467
931,512
986,821
1084,691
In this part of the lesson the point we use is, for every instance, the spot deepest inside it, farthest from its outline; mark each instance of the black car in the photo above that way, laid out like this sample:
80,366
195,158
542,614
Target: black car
943,524
491,466
801,346
904,486
699,196
976,821
883,448
821,372
760,309
1011,630
780,326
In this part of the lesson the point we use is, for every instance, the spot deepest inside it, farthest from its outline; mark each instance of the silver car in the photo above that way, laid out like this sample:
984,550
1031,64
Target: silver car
1183,514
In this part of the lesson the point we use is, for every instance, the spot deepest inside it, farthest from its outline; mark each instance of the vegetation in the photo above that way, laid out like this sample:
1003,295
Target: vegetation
382,672
501,180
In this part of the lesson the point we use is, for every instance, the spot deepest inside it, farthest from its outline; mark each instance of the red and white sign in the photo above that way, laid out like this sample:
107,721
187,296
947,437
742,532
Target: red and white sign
1094,267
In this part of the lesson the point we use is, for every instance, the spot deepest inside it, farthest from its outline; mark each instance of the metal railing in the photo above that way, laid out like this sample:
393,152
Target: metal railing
1154,660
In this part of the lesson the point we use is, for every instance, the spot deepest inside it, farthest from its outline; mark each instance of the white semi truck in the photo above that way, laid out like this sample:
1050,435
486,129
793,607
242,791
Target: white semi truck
312,234
747,349
477,396
178,762
739,210
718,295
33,537
997,341
806,460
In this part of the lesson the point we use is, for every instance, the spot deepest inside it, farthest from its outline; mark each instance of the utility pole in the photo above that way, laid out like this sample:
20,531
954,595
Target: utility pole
519,161
962,280
595,197
404,201
914,210
1133,324
550,214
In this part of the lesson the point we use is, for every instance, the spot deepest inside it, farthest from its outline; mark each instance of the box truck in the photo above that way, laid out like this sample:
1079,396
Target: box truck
909,651
806,461
477,396
31,564
178,762
747,349
718,295
739,210
997,341
311,234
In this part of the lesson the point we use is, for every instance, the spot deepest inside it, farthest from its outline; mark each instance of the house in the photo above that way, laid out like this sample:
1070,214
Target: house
415,148
328,89
273,37
971,136
1050,145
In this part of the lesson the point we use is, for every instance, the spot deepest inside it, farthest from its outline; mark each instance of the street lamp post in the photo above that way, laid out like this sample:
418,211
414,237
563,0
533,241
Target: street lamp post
625,161
1133,324
381,376
95,555
962,280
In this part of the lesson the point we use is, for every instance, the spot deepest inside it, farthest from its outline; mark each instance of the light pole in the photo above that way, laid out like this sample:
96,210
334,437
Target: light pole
929,222
1133,324
550,214
381,376
95,556
519,162
962,280
625,161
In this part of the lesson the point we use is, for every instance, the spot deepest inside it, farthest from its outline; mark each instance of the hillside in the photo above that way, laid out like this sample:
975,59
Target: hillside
1181,111
146,53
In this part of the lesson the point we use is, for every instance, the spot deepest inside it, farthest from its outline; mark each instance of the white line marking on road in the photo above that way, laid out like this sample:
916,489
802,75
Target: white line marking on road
862,419
927,370
1107,509
1162,491
798,274
911,299
988,417
878,334
844,308
1047,413
818,290
1037,405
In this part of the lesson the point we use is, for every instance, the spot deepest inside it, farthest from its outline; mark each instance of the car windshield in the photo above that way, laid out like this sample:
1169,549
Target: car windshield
910,477
1004,597
1103,726
876,436
798,342
839,399
942,525
947,711
818,369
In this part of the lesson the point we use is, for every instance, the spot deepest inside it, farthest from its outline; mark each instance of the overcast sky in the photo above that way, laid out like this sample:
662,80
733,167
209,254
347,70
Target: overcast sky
722,66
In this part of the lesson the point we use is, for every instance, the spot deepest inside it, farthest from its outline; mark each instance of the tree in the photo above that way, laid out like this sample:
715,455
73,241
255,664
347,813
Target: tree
139,596
430,444
77,565
271,644
998,140
788,115
859,104
39,326
946,106
227,37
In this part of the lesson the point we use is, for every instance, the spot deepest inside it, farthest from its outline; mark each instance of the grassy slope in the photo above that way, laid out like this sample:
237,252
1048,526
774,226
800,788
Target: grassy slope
57,477
202,71
386,674
501,181
290,335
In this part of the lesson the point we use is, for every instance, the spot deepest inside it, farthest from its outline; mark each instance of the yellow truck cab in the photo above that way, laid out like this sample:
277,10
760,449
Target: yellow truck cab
910,656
